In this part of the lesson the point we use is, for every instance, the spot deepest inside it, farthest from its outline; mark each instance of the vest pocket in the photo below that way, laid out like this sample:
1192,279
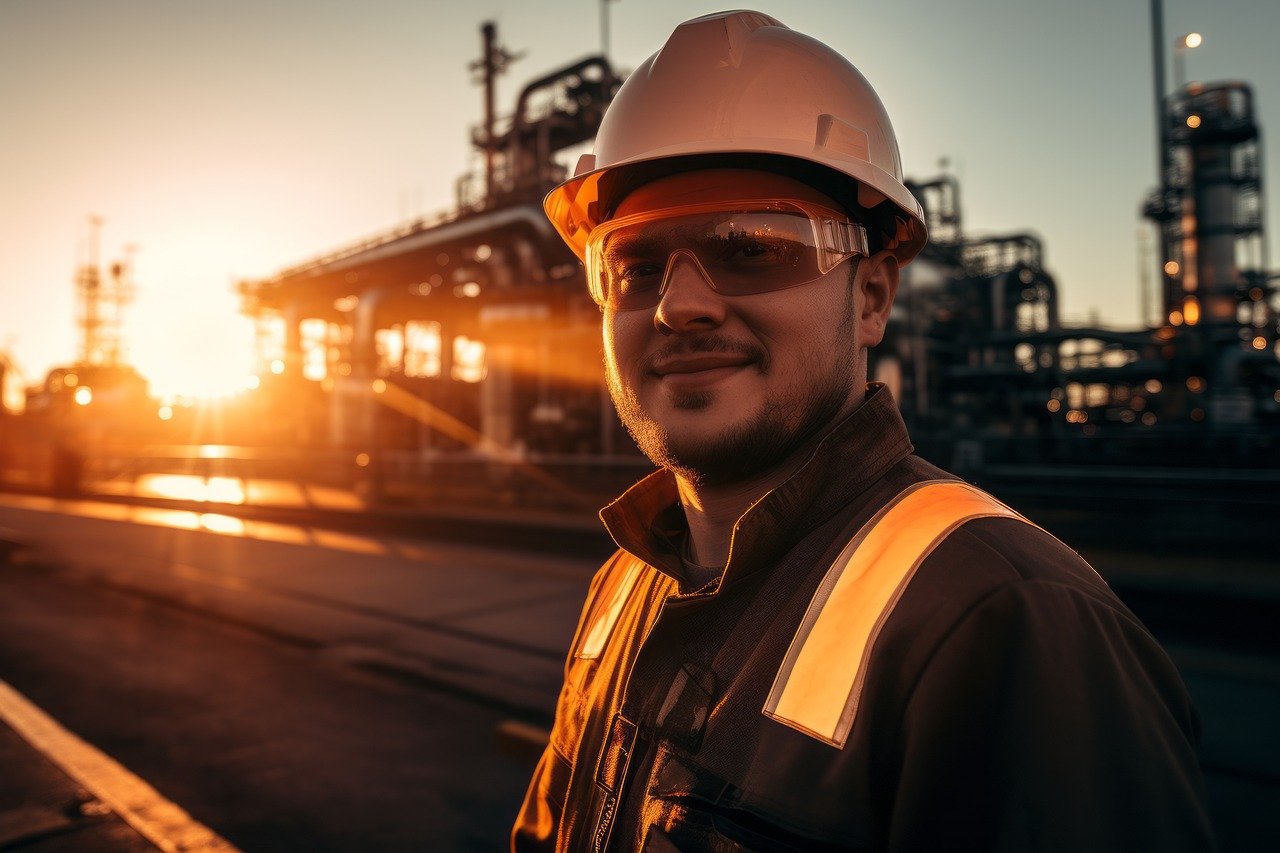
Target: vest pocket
694,810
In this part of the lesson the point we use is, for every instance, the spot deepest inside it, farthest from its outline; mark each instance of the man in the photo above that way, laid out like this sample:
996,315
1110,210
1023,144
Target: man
811,639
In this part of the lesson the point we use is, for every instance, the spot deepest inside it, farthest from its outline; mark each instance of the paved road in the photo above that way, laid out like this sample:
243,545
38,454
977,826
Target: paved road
269,733
273,746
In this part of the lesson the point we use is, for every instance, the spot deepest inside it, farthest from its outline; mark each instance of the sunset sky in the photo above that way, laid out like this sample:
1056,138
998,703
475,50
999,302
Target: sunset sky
227,140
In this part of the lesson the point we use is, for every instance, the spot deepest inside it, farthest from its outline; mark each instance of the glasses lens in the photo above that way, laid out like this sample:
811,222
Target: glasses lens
741,252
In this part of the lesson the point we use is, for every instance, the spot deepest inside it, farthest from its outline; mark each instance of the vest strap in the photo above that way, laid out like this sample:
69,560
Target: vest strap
817,688
606,607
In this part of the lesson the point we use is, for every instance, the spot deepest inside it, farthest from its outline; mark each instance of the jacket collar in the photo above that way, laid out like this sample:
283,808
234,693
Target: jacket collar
648,522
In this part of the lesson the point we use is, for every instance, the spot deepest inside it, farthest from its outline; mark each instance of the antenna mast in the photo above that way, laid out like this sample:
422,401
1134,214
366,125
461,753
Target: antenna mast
102,302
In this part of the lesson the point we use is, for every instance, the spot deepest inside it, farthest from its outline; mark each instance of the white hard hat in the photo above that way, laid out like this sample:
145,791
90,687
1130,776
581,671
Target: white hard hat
742,89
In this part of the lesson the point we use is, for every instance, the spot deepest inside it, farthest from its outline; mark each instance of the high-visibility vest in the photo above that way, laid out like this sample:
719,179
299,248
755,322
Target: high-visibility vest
819,684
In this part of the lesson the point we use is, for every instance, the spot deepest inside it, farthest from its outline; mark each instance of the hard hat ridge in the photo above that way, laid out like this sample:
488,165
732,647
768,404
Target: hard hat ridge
731,29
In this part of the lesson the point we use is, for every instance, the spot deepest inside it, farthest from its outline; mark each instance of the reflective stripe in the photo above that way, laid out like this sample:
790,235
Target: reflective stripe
818,686
607,607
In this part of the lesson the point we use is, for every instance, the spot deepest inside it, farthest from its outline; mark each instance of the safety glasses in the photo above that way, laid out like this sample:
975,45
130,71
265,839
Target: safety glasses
740,247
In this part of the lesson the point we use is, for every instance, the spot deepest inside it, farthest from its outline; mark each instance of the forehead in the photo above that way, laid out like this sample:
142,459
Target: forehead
711,185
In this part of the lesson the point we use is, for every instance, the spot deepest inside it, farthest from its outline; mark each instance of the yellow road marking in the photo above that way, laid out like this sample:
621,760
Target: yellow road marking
160,821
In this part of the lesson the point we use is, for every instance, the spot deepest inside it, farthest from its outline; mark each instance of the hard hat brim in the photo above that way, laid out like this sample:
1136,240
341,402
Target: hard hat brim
582,202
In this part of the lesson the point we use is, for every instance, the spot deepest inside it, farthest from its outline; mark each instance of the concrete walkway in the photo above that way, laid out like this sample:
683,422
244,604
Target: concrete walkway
481,620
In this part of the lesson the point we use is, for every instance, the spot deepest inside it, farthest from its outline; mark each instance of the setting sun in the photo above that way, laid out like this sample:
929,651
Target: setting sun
201,347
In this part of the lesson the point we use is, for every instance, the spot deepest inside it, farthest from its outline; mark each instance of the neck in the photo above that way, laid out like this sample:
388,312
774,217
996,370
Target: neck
713,510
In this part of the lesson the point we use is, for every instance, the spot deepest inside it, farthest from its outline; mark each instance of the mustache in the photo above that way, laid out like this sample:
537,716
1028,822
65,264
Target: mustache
704,342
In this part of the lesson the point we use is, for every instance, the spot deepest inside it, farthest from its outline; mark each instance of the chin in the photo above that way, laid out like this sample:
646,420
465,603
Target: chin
692,401
711,437
708,451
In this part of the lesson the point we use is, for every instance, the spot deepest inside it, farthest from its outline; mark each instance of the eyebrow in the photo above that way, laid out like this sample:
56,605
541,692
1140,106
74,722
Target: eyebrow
631,244
643,241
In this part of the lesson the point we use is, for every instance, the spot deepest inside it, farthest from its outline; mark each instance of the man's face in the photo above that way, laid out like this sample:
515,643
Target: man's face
719,388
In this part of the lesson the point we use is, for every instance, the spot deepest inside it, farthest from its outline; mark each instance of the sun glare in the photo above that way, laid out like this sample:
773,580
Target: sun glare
201,350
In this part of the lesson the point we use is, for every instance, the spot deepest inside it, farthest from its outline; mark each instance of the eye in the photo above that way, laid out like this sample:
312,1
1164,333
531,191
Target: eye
640,269
743,250
631,275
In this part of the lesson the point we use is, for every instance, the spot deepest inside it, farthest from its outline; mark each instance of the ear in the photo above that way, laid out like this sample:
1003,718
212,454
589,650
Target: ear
877,284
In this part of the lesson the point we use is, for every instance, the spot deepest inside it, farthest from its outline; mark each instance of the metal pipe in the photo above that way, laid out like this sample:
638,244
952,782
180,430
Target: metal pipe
490,37
1157,58
604,27
522,118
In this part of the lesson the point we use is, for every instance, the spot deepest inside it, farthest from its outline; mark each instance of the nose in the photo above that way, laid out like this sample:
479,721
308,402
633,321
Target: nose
689,302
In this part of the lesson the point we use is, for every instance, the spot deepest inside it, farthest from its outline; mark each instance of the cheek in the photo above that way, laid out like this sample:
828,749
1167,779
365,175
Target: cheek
624,337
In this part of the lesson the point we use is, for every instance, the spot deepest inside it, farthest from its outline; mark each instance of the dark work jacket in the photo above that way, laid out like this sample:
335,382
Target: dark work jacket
1010,701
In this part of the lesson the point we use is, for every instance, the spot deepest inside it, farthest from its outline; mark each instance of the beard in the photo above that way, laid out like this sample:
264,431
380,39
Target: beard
782,424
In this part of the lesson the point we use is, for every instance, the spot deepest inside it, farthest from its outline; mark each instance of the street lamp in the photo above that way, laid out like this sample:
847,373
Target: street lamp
1180,47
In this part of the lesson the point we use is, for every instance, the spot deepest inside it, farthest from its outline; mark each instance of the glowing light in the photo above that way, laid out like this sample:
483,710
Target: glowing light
1259,342
188,487
468,359
362,459
176,518
389,345
1175,318
277,367
179,487
1193,121
70,380
1054,405
1149,419
251,382
1153,386
194,343
1171,268
226,490
84,396
222,524
1191,311
379,386
422,348
346,303
316,338
1195,384
1193,40
315,368
165,413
